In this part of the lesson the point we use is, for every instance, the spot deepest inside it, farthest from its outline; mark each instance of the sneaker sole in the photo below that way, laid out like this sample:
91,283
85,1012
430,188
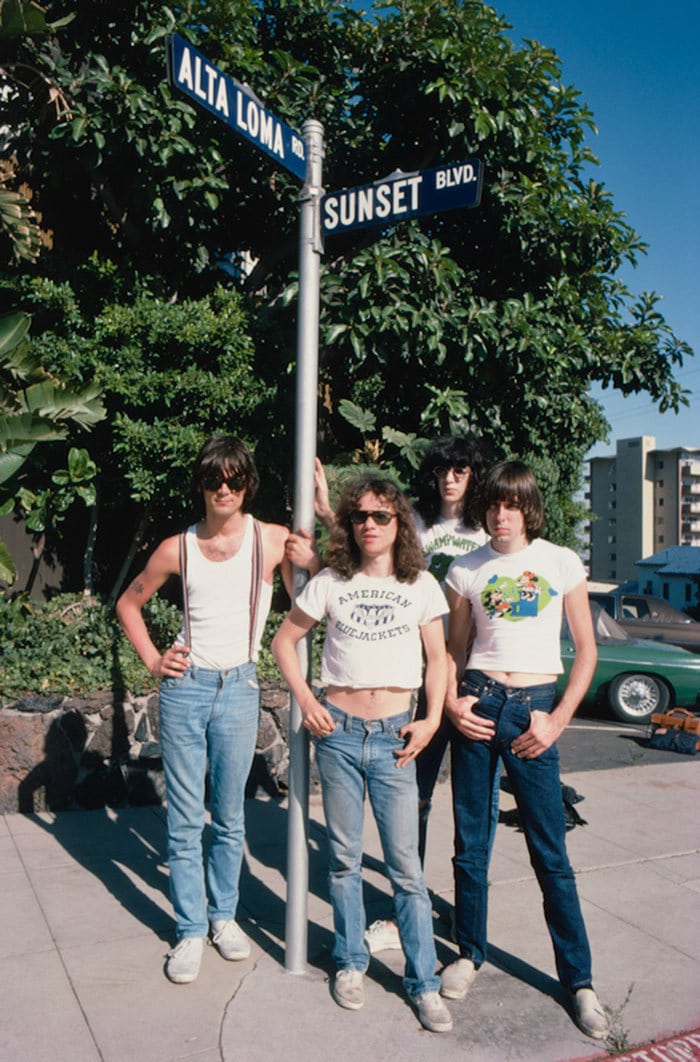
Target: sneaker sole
348,1006
182,979
437,1028
595,1034
453,993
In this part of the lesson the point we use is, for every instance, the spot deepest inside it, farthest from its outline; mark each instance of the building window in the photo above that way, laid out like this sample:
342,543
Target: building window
661,538
688,593
665,591
661,501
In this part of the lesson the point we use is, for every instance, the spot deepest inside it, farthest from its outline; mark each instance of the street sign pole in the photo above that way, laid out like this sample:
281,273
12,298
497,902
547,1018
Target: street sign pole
310,251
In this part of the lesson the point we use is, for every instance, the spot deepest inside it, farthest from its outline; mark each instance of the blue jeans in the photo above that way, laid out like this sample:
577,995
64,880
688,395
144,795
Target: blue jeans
428,764
359,756
537,790
207,715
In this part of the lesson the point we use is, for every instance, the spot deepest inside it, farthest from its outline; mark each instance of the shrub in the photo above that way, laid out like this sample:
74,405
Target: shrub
75,645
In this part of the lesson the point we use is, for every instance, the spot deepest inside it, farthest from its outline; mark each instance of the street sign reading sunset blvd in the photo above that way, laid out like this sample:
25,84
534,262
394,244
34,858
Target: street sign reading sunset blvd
234,104
403,195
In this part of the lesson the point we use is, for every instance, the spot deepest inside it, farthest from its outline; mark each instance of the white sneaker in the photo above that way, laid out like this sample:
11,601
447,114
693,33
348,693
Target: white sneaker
457,978
348,989
184,960
432,1012
383,935
590,1015
230,939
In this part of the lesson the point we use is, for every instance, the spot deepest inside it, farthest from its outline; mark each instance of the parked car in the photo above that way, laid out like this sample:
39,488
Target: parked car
635,677
650,617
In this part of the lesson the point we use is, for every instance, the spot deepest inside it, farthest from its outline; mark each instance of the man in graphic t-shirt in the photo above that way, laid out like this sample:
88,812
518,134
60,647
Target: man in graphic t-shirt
503,706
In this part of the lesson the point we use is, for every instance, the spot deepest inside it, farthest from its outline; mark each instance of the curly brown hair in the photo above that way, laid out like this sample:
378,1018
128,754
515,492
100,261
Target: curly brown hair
343,554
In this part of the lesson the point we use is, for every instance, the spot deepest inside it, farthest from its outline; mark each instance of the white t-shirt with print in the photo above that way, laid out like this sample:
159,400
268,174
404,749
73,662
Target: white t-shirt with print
444,540
373,629
517,601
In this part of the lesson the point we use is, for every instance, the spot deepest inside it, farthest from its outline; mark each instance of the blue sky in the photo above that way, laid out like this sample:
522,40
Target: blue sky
635,65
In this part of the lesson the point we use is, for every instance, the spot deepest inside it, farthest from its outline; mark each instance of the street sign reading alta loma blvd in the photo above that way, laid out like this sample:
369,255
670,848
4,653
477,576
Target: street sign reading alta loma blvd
402,196
234,104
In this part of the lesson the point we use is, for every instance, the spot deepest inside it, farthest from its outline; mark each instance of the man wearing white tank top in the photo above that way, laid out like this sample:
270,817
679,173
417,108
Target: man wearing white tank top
209,697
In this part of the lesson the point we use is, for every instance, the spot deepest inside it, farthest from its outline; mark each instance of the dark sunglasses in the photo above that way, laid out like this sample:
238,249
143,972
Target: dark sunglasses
380,516
214,480
459,470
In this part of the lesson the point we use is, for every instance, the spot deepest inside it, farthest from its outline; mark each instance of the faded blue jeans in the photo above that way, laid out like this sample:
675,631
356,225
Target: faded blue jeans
207,716
358,757
537,790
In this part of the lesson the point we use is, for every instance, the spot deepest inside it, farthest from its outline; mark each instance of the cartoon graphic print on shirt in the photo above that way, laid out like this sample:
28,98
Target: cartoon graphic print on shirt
515,599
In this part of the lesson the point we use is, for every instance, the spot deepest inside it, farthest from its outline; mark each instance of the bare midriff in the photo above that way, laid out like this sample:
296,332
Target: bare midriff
377,703
520,678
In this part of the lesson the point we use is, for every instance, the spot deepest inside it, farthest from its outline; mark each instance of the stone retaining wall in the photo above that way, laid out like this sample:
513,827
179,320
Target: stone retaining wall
59,753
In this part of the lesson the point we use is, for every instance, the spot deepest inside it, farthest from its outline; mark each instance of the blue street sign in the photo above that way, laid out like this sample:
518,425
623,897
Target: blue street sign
234,104
402,196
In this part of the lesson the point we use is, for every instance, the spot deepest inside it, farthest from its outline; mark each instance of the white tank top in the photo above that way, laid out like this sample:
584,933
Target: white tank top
218,599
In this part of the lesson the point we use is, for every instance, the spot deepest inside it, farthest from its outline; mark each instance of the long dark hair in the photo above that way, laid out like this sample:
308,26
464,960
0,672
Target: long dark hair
451,451
514,482
343,554
226,453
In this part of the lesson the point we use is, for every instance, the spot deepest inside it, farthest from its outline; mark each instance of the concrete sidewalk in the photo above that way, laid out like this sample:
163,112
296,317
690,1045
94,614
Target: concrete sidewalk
85,925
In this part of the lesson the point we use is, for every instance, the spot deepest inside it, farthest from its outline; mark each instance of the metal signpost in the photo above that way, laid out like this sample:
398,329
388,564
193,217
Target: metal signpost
396,198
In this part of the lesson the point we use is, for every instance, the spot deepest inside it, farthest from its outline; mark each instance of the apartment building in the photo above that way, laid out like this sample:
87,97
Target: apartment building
642,501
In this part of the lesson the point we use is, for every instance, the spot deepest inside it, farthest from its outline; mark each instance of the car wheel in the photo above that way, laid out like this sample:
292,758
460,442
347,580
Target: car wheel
633,698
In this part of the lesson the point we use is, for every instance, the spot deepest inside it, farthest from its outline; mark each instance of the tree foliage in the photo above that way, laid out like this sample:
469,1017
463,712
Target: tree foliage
496,319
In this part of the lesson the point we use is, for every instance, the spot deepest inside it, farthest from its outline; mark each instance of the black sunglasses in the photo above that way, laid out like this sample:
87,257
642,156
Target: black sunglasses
441,471
213,481
380,516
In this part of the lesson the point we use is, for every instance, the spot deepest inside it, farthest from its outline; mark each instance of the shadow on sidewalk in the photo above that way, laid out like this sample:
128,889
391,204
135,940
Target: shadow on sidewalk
262,908
125,850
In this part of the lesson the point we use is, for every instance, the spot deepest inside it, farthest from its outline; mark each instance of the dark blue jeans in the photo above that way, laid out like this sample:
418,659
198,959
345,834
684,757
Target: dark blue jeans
428,764
537,790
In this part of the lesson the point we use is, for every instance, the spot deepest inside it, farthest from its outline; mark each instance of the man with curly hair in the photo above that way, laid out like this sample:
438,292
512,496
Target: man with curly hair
380,605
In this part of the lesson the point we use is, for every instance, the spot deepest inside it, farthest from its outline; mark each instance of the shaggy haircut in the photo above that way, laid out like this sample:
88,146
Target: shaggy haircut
343,554
452,451
226,455
513,482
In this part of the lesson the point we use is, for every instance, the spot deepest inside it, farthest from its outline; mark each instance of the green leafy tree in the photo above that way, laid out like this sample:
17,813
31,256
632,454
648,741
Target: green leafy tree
497,319
35,407
170,374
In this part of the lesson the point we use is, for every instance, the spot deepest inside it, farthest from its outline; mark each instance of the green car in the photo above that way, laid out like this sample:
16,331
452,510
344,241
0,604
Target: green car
632,677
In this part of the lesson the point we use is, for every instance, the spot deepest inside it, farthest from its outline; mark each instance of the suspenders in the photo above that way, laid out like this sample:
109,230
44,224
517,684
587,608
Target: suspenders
256,577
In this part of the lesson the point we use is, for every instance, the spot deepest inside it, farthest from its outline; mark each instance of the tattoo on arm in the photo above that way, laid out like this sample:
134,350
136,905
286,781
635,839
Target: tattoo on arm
137,586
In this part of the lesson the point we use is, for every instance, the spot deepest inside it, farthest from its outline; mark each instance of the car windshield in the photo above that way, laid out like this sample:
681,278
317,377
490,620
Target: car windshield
607,630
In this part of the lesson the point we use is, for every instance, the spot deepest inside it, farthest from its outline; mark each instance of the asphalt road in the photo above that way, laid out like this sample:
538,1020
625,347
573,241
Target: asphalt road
593,742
